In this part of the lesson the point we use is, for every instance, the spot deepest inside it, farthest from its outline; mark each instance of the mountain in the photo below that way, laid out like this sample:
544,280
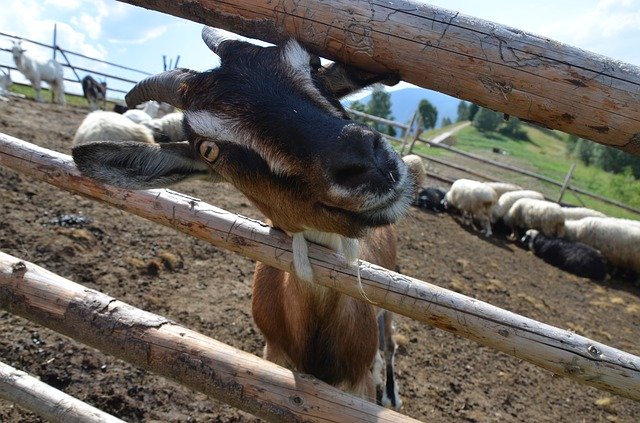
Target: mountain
405,101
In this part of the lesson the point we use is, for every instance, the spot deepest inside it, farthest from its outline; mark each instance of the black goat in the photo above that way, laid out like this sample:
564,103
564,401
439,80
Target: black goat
94,91
573,257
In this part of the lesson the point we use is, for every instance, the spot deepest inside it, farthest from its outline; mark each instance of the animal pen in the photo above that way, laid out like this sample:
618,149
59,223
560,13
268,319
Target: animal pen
395,36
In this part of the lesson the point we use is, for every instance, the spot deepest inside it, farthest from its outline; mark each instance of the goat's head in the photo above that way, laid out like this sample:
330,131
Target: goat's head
266,121
16,50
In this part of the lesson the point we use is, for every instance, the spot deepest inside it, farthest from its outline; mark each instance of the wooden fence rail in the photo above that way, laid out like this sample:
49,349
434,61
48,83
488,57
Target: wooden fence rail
164,347
49,403
495,66
560,351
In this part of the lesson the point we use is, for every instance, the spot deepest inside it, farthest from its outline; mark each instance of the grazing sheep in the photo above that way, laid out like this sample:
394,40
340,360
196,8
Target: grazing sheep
110,126
617,239
149,110
474,200
531,213
503,187
168,128
573,257
35,71
430,198
507,199
94,91
577,213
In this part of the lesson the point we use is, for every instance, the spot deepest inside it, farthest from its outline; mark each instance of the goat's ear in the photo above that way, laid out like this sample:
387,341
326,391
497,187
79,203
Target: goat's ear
343,80
135,165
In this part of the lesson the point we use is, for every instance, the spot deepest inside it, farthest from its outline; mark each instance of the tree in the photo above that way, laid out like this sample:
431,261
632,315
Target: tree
428,113
473,111
487,120
380,105
463,111
446,121
513,129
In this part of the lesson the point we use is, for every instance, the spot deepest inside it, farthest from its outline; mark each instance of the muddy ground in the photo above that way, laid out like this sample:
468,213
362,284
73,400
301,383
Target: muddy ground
442,377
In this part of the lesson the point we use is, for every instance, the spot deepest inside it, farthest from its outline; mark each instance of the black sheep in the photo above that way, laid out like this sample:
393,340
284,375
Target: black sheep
573,257
430,198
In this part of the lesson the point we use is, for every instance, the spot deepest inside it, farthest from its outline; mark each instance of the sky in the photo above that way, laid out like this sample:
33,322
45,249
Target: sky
137,38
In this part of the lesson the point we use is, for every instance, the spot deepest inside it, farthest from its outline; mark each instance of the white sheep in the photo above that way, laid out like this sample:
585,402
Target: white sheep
503,187
617,239
35,71
168,128
111,126
474,199
507,199
577,213
531,213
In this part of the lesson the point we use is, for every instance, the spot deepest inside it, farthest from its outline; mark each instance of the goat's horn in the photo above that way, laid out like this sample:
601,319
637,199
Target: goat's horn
166,87
213,38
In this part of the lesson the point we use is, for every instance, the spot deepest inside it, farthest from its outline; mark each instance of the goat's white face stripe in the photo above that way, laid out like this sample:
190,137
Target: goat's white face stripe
210,125
298,59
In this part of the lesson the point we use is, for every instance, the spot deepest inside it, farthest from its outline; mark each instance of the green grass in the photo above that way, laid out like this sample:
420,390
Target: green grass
72,99
545,154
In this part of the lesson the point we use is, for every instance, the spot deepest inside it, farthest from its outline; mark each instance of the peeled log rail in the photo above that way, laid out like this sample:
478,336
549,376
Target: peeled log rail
164,347
49,403
495,66
560,351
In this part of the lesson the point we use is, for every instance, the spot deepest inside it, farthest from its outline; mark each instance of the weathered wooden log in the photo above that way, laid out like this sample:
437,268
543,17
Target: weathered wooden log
164,347
560,351
49,403
502,68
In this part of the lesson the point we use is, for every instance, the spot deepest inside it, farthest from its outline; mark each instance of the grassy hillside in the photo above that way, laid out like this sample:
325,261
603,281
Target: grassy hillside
72,100
545,155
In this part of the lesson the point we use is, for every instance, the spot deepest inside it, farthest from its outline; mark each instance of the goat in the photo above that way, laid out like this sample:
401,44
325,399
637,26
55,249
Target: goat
431,198
573,257
100,125
5,83
36,71
268,121
94,91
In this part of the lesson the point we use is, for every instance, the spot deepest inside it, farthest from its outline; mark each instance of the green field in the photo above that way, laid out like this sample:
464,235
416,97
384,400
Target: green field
544,154
72,100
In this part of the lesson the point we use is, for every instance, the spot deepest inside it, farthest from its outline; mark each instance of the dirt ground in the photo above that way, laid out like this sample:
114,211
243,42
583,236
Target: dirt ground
442,377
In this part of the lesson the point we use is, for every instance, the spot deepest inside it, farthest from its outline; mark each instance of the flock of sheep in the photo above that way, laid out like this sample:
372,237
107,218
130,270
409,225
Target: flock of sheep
579,240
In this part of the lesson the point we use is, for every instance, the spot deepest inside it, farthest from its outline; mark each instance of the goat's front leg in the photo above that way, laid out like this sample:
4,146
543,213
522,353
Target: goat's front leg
387,395
35,83
343,80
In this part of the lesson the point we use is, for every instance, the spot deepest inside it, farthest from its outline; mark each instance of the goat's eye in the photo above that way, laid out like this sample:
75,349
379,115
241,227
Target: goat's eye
208,150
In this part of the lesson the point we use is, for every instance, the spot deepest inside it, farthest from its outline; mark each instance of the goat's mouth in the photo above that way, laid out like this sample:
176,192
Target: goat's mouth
384,212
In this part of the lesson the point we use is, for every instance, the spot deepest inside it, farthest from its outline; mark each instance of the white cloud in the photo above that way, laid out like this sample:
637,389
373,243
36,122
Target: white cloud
148,35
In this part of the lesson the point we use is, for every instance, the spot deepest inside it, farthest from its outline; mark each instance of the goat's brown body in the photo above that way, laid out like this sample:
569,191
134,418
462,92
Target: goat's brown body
316,330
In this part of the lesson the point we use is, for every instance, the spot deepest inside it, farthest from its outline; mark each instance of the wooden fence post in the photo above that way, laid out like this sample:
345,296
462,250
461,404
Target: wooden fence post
565,184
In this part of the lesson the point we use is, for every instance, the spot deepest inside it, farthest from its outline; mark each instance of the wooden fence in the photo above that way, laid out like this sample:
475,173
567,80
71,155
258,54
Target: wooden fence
127,82
560,351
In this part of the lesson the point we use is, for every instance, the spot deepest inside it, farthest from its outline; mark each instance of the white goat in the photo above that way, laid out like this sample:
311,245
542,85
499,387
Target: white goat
168,128
617,239
530,213
149,110
5,83
35,71
110,126
474,199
